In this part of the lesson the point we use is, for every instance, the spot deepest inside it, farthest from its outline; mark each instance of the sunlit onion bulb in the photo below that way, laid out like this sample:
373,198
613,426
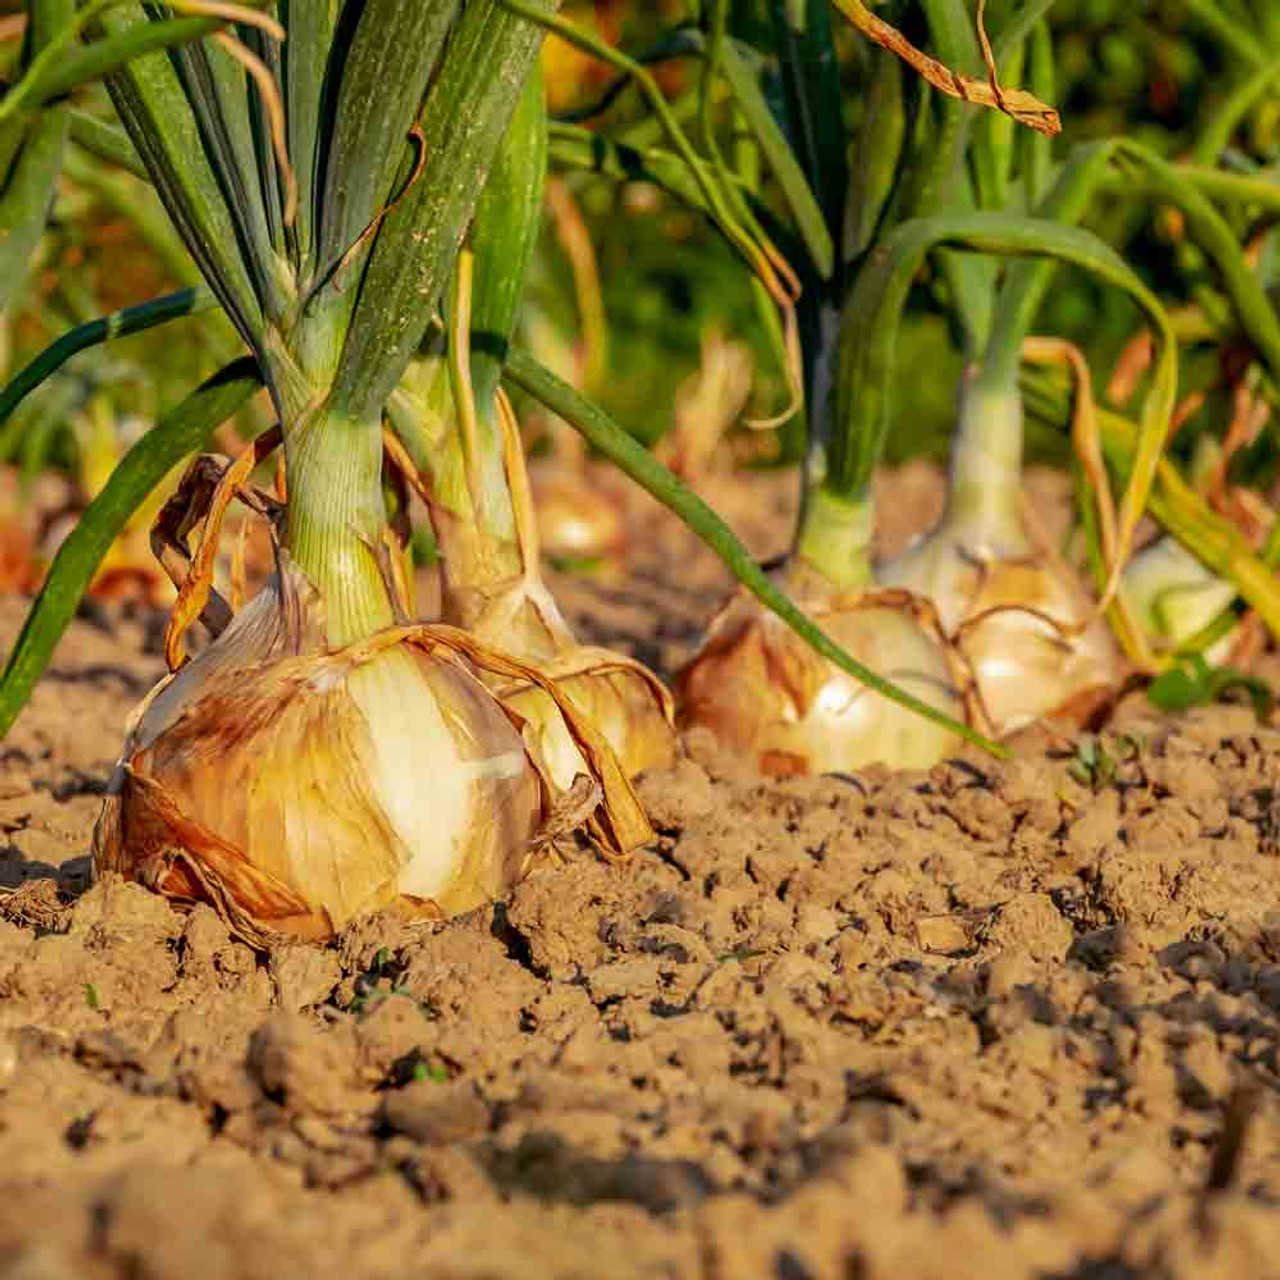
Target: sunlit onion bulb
1015,618
1020,618
295,789
626,703
767,696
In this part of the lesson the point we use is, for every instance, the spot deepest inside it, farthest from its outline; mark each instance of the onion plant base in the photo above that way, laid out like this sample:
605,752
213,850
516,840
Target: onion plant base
767,696
1021,622
294,788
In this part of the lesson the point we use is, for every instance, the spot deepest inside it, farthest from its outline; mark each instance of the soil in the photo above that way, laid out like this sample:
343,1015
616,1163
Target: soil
996,1019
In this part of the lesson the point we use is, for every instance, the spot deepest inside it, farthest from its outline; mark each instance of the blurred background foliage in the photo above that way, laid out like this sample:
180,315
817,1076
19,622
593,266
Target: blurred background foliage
630,292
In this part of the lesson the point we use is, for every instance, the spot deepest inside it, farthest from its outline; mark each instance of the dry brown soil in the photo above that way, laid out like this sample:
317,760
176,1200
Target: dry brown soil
983,1021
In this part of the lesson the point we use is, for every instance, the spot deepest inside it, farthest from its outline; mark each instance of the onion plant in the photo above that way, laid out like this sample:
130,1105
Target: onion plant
360,188
978,617
463,453
324,756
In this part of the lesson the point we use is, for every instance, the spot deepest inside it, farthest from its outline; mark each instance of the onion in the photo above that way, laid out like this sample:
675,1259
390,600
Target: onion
767,696
294,786
629,705
1018,615
1174,595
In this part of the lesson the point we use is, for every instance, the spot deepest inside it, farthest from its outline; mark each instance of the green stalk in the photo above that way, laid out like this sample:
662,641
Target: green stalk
167,134
834,537
987,449
107,142
1037,150
872,318
1216,134
1250,190
877,155
173,306
58,69
311,25
476,532
466,113
27,196
1206,227
1240,41
940,181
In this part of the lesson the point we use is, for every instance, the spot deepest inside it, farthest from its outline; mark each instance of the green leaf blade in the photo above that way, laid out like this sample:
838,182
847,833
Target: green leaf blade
178,434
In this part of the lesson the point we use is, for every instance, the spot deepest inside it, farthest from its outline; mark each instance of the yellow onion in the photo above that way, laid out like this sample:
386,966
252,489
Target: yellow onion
492,586
1018,615
767,696
294,788
1022,622
621,698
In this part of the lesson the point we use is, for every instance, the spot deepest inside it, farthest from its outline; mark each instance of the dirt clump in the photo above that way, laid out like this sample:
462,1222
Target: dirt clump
1014,1019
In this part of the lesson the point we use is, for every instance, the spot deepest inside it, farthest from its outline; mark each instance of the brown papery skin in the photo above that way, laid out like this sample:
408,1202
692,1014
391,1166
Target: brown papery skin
633,713
767,696
1026,667
1017,621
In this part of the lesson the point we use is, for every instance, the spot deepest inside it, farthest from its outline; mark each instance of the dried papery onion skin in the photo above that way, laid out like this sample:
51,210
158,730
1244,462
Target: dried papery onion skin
1020,618
627,703
767,697
294,789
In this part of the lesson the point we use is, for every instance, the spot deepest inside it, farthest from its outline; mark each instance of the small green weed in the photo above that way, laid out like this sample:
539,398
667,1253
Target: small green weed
1192,682
1097,765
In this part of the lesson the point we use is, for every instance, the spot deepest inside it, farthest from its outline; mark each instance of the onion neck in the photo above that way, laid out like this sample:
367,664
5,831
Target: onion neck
833,542
336,516
831,552
479,551
986,463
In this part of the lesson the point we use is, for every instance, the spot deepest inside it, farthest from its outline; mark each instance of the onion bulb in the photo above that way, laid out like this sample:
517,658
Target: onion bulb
767,696
294,787
1018,615
622,698
491,585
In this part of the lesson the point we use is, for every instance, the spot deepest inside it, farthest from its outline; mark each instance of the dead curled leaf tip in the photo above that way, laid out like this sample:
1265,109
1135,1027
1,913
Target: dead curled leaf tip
1018,104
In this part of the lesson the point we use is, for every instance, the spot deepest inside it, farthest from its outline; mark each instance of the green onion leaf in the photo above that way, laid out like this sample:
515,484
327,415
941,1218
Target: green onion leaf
178,434
147,315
